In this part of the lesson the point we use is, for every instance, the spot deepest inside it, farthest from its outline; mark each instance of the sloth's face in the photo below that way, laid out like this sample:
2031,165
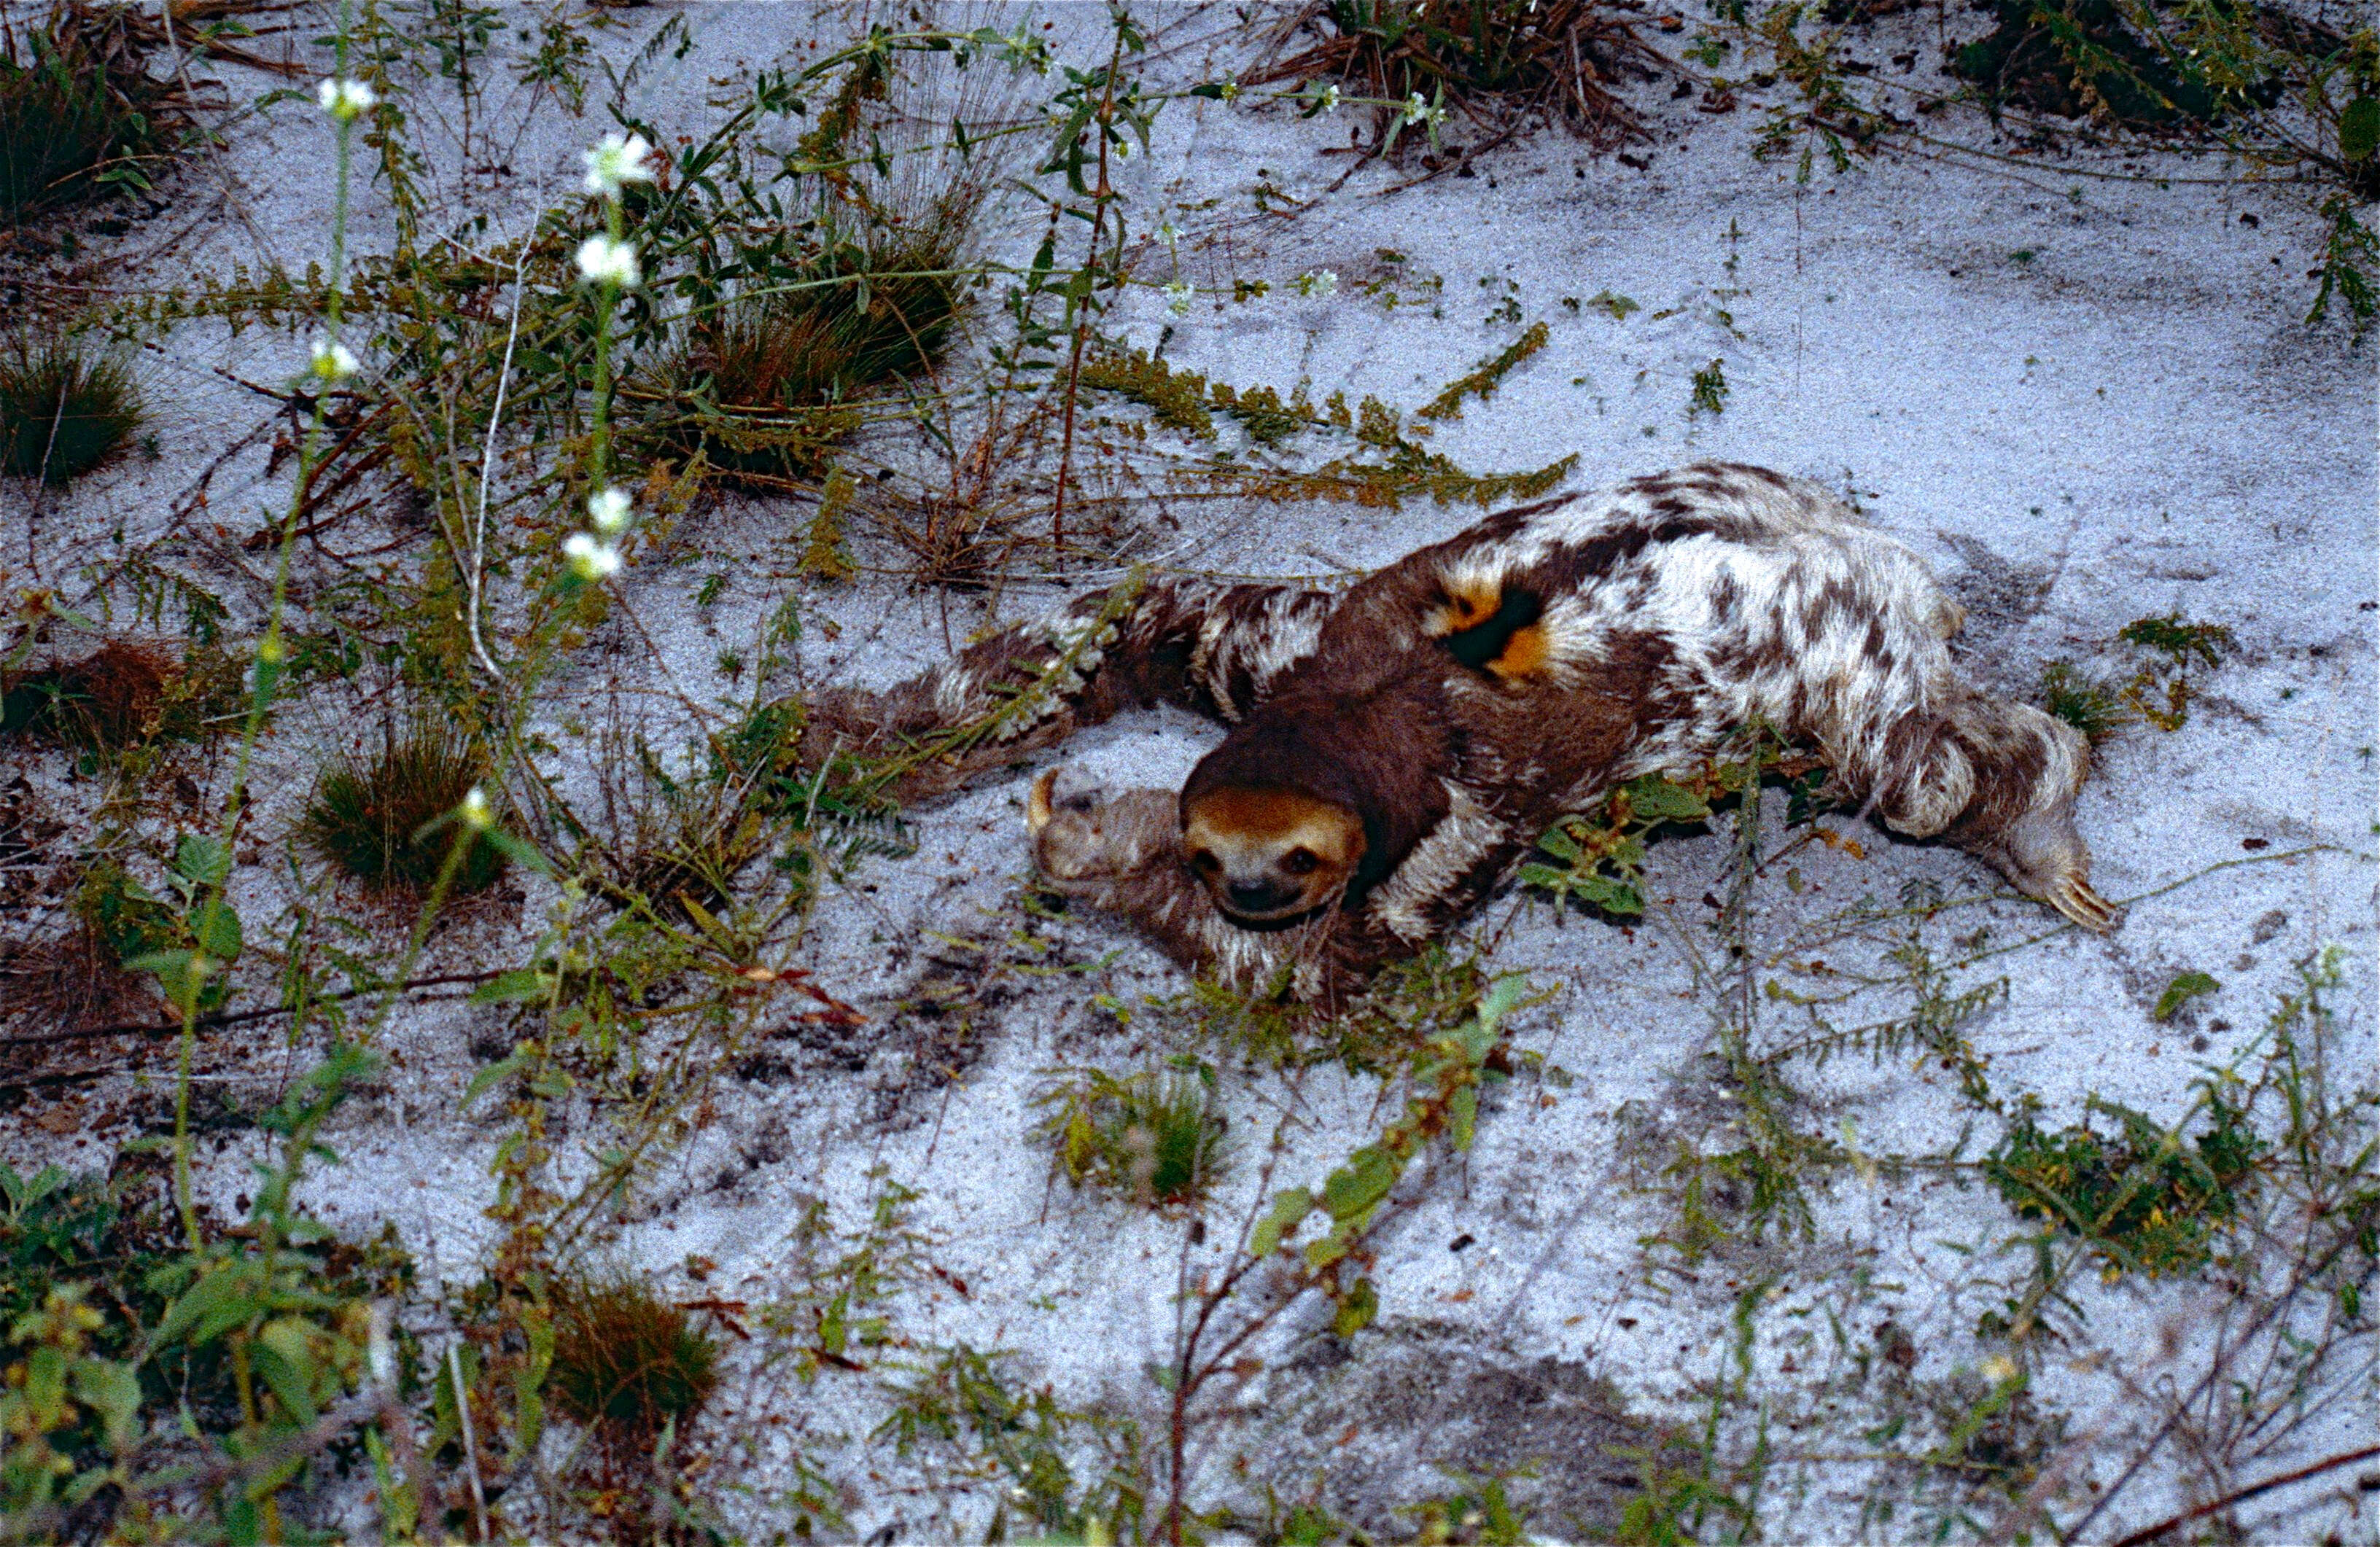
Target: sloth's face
1267,855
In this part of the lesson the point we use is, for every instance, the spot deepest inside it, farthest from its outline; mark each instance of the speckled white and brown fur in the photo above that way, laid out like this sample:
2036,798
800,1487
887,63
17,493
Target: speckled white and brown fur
1467,695
1654,619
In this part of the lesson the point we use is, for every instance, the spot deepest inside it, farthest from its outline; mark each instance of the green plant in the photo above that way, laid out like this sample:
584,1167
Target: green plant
626,1364
1710,390
777,376
376,816
77,108
2175,645
65,406
2093,706
2142,1197
1156,1136
122,697
1503,62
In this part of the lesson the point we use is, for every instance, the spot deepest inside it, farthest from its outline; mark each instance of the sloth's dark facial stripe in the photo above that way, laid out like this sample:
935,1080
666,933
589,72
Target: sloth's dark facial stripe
1482,643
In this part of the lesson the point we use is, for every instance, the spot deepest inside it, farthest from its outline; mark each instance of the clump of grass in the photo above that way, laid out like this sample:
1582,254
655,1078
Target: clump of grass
2145,1203
122,697
367,815
75,104
779,376
1503,62
2092,704
1154,1138
626,1364
65,406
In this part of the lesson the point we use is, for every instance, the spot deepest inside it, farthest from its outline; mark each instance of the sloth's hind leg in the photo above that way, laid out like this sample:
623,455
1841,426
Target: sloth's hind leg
1999,779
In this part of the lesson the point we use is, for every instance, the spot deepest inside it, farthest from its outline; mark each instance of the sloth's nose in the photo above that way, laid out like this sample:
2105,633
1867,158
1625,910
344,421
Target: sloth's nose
1253,897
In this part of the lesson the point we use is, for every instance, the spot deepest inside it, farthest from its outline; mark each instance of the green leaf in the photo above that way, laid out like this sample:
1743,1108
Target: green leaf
2358,128
204,858
1655,799
524,984
174,973
1366,1178
529,1382
1463,1116
1560,844
518,850
113,1391
1289,1205
45,1390
214,1305
217,928
503,1069
283,1354
1610,895
2180,992
1356,1309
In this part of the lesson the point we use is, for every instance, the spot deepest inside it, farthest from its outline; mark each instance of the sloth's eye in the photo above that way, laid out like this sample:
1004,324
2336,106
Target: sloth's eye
1300,862
1205,862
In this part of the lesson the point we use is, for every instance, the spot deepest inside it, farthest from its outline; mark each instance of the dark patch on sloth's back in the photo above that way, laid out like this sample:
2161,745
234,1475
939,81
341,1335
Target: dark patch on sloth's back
1482,643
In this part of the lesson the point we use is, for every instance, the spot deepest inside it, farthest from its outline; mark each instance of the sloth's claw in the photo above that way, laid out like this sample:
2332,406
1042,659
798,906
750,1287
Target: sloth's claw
1036,804
2073,896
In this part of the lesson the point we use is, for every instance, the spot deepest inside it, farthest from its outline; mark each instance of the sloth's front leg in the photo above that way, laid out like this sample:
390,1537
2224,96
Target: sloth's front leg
1214,648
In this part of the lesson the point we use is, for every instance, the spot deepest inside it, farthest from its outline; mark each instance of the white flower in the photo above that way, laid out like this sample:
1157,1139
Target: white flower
475,811
1177,299
604,261
1229,91
616,161
334,361
1417,109
589,558
1166,234
1328,100
1999,1369
345,99
1122,149
1317,282
607,511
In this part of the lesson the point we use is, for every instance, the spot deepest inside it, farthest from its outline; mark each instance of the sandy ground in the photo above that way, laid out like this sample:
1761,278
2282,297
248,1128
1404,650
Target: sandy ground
2085,402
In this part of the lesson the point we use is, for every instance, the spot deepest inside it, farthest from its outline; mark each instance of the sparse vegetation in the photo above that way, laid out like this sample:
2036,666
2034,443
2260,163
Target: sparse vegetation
66,406
2146,1198
880,300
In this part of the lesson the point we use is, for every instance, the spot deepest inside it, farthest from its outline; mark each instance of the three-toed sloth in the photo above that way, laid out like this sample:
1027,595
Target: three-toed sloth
1396,749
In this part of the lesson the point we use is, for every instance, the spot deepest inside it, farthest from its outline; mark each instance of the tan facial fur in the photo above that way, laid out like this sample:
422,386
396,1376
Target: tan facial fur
1270,854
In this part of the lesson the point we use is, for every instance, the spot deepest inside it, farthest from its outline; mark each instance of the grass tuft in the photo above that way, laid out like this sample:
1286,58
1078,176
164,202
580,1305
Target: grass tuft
1501,61
626,1364
65,406
367,815
1155,1138
121,697
2092,705
778,377
72,108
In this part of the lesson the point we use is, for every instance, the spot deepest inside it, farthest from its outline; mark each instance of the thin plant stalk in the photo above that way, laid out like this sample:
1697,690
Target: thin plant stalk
270,653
